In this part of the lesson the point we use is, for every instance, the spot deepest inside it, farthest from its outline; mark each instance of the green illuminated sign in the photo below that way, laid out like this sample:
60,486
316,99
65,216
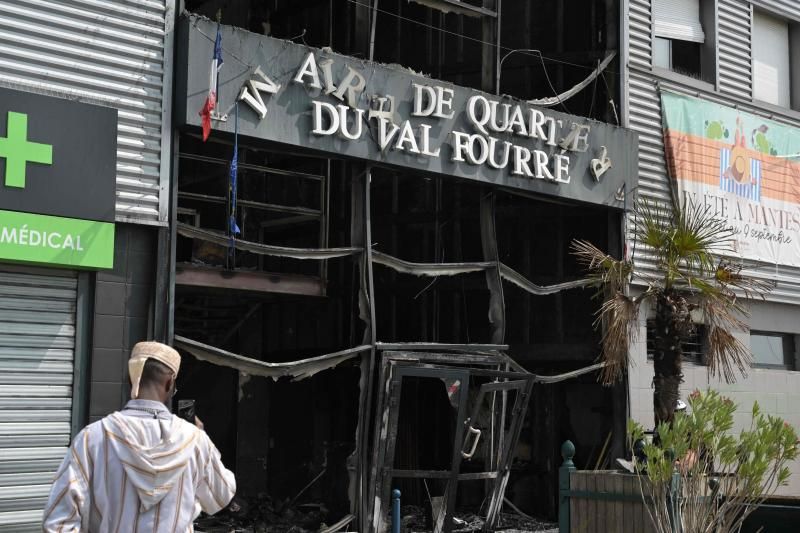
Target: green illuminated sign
57,181
32,238
18,151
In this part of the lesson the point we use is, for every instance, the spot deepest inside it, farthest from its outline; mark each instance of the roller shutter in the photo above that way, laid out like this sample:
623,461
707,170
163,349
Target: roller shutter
106,52
785,8
678,19
37,347
771,62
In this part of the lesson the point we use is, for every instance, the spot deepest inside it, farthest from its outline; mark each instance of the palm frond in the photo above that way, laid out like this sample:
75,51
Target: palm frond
730,276
701,285
719,311
699,237
603,270
652,225
715,299
722,295
619,314
726,355
684,240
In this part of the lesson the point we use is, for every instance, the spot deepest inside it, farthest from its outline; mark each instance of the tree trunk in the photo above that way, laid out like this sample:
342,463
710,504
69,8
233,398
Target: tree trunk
671,321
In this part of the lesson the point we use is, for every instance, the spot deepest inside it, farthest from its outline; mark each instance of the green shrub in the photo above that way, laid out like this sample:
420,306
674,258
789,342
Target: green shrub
698,475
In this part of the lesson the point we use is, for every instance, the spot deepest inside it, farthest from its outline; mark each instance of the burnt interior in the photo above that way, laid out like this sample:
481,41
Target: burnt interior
279,436
572,35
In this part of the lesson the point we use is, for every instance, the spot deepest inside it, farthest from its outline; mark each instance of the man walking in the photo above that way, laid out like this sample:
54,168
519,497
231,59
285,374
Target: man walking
142,468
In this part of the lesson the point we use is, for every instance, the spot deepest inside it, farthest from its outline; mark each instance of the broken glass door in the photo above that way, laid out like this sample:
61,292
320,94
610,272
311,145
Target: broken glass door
447,436
491,434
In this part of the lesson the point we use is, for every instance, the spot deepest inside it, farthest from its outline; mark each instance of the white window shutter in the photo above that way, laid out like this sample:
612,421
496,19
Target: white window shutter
771,64
678,19
662,52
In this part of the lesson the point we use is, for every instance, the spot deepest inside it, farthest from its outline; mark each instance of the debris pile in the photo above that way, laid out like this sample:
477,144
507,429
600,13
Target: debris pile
511,522
262,515
417,520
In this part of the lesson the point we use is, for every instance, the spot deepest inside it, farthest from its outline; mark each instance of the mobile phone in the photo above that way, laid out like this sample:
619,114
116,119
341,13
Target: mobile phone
186,410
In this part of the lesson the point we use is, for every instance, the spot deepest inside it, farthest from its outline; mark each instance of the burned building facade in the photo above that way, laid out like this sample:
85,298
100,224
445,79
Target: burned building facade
374,286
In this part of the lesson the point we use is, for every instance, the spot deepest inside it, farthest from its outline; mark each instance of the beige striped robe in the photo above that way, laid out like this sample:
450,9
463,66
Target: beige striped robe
140,469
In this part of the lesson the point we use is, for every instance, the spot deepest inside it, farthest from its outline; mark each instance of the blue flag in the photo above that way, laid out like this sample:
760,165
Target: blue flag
234,227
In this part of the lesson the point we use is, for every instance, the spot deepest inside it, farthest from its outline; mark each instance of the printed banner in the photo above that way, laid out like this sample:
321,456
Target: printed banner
743,168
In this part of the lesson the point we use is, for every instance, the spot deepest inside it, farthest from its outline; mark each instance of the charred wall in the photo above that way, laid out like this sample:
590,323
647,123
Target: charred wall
573,36
280,435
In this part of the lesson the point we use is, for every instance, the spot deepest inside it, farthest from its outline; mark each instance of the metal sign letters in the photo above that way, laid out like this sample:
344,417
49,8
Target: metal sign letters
353,108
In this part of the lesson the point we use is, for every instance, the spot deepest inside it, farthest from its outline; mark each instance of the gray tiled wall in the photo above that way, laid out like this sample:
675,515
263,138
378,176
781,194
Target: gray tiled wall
122,309
776,391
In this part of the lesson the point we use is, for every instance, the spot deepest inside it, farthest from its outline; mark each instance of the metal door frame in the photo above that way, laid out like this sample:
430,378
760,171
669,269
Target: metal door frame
398,365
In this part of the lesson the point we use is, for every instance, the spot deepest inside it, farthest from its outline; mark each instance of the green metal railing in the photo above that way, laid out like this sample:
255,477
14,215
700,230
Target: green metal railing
567,493
564,494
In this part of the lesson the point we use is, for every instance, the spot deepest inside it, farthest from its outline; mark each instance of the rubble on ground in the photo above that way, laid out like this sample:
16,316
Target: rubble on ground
262,515
415,521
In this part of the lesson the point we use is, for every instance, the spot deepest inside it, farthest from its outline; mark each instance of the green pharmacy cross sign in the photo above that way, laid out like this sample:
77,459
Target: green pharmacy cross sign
57,181
18,151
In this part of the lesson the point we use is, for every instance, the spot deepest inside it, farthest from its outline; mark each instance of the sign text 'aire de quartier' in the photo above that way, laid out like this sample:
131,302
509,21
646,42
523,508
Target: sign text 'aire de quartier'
316,99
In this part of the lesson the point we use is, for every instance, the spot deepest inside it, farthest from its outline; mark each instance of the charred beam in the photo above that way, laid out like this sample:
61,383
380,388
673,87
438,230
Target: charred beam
427,346
298,370
249,166
208,198
497,311
252,282
217,238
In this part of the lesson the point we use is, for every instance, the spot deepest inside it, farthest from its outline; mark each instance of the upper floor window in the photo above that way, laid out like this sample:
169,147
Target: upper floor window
771,60
772,350
679,42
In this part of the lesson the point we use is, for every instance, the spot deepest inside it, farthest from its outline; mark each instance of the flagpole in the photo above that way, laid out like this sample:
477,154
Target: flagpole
215,112
233,227
209,110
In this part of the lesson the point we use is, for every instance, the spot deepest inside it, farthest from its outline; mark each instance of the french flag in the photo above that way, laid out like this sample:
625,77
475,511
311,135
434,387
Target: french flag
213,86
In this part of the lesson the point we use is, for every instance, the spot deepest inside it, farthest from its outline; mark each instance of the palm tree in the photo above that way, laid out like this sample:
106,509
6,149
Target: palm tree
686,243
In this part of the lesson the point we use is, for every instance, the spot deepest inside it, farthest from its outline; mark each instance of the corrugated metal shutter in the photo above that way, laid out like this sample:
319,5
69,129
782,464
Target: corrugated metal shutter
640,38
37,346
678,19
644,116
735,69
105,52
645,119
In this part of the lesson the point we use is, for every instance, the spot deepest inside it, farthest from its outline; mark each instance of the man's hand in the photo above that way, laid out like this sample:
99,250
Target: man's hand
199,423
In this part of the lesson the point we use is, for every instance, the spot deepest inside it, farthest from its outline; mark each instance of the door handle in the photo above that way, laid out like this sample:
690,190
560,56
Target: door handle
477,434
